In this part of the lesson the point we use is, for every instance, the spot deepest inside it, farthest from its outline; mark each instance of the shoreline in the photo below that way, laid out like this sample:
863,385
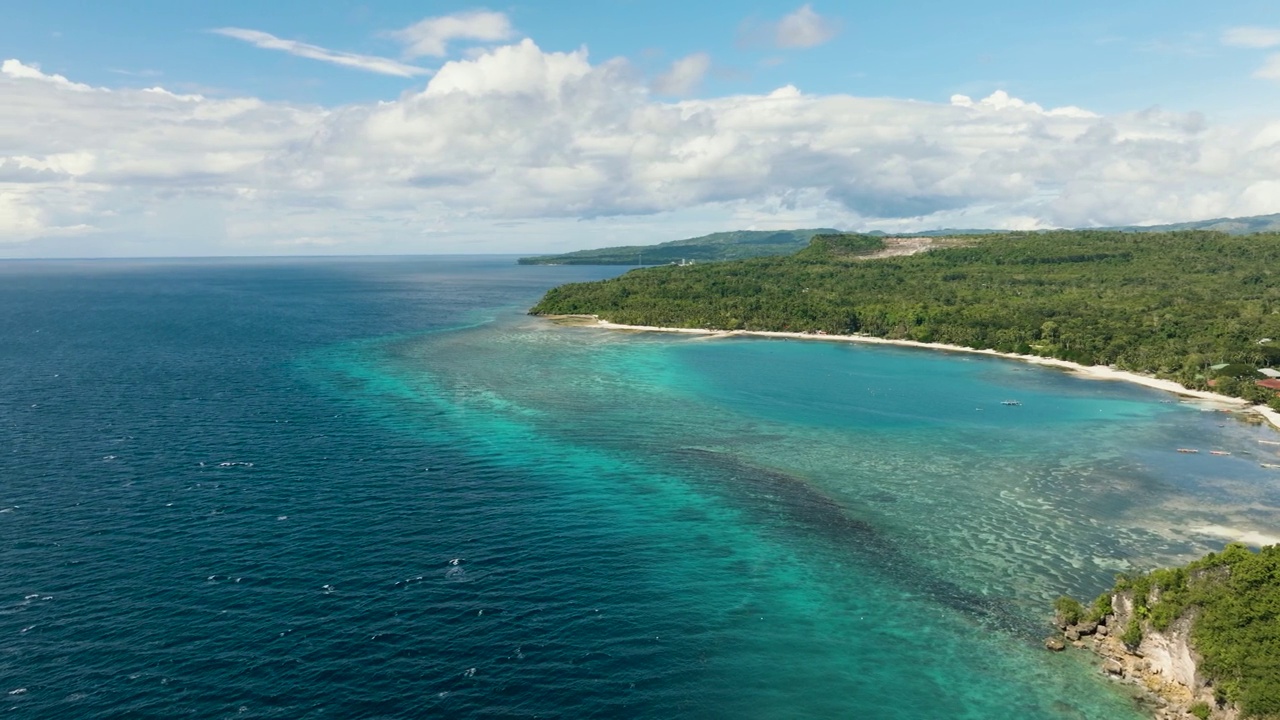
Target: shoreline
1092,372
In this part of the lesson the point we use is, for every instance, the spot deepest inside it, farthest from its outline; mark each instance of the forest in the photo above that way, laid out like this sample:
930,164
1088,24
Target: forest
1178,305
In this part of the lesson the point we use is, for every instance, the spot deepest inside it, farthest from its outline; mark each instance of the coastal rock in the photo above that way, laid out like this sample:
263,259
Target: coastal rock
1103,630
1113,667
1055,644
1072,634
1170,655
1087,628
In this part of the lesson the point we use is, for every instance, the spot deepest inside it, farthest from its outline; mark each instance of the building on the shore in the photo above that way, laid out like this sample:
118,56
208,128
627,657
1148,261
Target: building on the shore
1272,373
1270,384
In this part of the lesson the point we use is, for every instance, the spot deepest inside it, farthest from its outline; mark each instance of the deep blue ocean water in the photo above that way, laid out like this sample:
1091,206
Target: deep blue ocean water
374,488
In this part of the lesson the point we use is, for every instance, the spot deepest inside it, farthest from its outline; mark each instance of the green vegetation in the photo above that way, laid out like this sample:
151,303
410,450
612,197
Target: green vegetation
835,246
759,243
1201,710
1068,610
1233,598
1234,226
717,246
1169,304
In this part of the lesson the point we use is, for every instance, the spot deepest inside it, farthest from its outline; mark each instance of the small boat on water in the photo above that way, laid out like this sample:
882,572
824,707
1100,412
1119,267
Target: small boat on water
1271,466
1189,451
1270,442
1010,402
1219,452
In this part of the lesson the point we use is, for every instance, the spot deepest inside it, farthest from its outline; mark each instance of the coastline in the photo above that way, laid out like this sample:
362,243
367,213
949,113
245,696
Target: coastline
1092,372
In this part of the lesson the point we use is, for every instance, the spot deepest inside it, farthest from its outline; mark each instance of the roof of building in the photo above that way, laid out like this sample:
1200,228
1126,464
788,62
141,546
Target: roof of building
1270,372
1272,384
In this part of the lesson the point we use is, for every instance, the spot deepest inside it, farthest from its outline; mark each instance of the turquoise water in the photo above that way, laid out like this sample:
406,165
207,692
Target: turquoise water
374,488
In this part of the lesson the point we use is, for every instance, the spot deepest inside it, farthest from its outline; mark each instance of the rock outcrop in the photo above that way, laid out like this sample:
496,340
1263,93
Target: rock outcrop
1164,663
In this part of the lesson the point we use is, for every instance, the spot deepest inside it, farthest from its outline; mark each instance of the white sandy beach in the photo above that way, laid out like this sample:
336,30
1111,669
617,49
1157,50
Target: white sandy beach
1095,372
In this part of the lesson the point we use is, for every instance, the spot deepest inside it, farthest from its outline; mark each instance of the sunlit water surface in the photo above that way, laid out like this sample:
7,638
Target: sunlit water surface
374,488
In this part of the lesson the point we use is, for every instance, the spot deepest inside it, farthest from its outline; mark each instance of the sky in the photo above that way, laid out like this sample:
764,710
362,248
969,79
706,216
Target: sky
143,128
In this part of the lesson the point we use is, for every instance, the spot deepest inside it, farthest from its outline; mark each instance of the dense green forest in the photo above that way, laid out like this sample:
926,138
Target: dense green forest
1233,598
1171,304
717,246
744,244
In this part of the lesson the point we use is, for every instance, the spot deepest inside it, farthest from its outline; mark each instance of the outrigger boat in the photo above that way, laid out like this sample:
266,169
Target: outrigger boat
1189,451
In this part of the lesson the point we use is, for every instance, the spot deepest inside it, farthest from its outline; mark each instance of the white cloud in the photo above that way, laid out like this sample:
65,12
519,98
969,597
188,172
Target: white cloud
368,63
17,70
431,36
551,141
685,75
1251,37
804,28
1270,69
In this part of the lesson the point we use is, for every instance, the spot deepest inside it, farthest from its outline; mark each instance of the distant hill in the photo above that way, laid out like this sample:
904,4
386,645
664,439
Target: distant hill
735,245
1232,226
756,243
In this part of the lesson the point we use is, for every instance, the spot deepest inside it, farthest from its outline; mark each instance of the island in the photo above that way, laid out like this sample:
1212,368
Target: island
734,245
1196,308
742,244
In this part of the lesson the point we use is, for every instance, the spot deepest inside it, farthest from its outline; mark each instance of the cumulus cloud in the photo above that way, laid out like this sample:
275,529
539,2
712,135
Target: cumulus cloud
550,139
1251,37
684,77
431,36
803,28
15,69
368,63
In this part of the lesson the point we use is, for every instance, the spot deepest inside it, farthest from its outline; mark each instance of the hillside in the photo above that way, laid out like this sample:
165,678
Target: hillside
1211,627
1168,304
716,246
742,244
1231,226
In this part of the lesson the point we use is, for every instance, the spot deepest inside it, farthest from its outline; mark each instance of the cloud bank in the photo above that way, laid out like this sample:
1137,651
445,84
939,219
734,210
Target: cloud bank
520,136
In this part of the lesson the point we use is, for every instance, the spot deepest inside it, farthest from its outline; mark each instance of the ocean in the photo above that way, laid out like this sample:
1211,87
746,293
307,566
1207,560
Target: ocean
375,488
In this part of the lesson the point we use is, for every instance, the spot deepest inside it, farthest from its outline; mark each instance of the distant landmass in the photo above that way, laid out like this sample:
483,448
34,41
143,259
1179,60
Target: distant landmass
735,245
1231,226
743,244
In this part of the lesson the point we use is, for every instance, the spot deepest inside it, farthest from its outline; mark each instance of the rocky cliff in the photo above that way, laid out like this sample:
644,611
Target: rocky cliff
1164,663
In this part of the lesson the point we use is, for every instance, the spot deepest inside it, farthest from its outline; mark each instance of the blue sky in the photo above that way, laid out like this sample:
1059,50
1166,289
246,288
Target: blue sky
313,126
1106,55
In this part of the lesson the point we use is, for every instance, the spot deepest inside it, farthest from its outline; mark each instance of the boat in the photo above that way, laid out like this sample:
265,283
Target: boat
1269,442
1011,402
1219,452
1189,451
1271,466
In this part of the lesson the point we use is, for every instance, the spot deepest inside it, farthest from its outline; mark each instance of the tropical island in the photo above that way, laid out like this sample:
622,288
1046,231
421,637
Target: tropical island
1204,637
742,244
1198,308
734,245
